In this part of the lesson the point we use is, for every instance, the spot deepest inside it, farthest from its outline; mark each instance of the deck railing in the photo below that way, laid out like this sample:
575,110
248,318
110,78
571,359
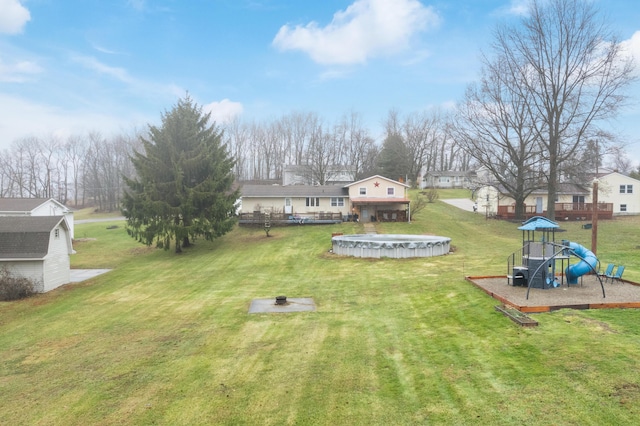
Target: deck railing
564,211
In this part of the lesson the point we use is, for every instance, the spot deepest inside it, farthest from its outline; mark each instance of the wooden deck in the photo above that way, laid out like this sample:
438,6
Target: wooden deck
564,211
280,219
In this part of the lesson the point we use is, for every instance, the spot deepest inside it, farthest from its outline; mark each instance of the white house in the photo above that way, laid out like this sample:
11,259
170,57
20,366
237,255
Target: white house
448,179
621,191
36,207
38,248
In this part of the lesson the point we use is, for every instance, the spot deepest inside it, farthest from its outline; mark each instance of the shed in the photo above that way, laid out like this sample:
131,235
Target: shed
36,207
37,248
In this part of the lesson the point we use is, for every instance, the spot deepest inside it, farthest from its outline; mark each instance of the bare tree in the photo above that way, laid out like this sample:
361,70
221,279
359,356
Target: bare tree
572,71
494,126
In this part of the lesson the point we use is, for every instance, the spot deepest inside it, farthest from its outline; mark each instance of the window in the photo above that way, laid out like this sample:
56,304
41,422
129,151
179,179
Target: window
391,190
623,207
363,191
628,189
313,202
337,202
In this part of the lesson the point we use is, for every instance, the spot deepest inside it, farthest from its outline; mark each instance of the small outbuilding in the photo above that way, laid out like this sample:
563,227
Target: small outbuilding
37,248
36,207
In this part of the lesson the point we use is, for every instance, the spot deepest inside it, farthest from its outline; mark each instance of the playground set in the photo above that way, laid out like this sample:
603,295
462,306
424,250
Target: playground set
536,264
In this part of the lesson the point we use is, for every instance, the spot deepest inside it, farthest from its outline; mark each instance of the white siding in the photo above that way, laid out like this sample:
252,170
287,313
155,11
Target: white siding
28,269
609,192
57,263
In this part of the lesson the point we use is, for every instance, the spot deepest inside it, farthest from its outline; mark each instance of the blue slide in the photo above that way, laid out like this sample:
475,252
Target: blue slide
587,263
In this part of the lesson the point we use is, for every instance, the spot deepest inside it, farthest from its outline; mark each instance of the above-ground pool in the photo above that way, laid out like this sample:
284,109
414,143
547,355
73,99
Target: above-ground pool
390,245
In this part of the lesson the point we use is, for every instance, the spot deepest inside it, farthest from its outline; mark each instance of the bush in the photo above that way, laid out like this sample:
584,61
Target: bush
13,287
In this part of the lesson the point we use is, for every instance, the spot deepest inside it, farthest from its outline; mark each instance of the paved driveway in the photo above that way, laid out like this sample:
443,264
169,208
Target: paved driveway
79,275
461,203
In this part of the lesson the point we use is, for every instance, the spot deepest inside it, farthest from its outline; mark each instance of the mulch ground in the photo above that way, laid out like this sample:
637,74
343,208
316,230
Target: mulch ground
585,295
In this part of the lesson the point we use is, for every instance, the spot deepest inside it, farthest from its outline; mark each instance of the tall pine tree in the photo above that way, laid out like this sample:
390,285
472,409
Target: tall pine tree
183,187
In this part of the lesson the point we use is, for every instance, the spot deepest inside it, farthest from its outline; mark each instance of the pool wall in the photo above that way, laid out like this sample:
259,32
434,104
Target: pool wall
396,246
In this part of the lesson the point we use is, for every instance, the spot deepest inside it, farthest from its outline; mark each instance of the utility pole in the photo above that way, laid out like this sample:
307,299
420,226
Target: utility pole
594,218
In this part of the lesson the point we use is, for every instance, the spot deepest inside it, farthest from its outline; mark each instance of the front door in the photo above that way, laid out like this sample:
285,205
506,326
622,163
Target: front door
365,215
539,205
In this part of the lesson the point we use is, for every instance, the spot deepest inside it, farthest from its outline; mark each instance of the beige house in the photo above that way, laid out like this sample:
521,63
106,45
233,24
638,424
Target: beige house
373,199
295,199
378,198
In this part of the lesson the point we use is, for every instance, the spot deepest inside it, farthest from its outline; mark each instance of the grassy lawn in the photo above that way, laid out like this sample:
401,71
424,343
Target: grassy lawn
166,339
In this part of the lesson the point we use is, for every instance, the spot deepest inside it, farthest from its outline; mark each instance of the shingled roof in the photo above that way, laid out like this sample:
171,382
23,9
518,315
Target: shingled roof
26,237
20,204
293,191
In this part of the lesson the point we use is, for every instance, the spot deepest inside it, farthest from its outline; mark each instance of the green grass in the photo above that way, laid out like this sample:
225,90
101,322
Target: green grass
166,339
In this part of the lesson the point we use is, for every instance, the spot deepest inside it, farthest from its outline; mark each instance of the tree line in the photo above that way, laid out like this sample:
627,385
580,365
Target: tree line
89,169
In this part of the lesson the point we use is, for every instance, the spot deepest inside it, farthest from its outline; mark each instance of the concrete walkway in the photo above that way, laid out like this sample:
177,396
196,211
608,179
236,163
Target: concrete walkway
370,228
79,275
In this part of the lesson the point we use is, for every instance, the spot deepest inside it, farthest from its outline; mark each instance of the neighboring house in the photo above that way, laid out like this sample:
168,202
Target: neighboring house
38,248
572,202
36,207
623,192
448,179
374,198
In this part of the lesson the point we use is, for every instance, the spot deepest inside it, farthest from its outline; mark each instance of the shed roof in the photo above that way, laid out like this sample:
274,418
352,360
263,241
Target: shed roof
27,237
24,205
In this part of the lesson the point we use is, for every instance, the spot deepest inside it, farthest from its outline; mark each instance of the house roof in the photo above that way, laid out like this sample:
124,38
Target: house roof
376,177
372,200
278,191
27,237
25,205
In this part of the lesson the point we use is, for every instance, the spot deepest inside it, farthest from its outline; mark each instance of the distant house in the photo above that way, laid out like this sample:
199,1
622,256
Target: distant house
447,179
375,198
38,248
36,207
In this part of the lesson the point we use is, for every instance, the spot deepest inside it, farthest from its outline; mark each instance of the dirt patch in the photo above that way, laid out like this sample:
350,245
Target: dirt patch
83,240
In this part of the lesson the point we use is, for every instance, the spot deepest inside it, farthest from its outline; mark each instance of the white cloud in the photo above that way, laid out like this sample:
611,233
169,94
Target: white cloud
18,72
631,47
13,16
95,65
24,118
367,28
223,111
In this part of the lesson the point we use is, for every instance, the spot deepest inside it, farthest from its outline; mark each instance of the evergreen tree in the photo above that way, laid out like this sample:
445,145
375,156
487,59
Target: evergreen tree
183,187
394,160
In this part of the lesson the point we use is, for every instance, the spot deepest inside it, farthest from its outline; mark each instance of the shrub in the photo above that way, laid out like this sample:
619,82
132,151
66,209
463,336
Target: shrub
14,287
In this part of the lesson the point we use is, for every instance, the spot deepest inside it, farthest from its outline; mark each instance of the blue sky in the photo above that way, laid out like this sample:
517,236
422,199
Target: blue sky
73,66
